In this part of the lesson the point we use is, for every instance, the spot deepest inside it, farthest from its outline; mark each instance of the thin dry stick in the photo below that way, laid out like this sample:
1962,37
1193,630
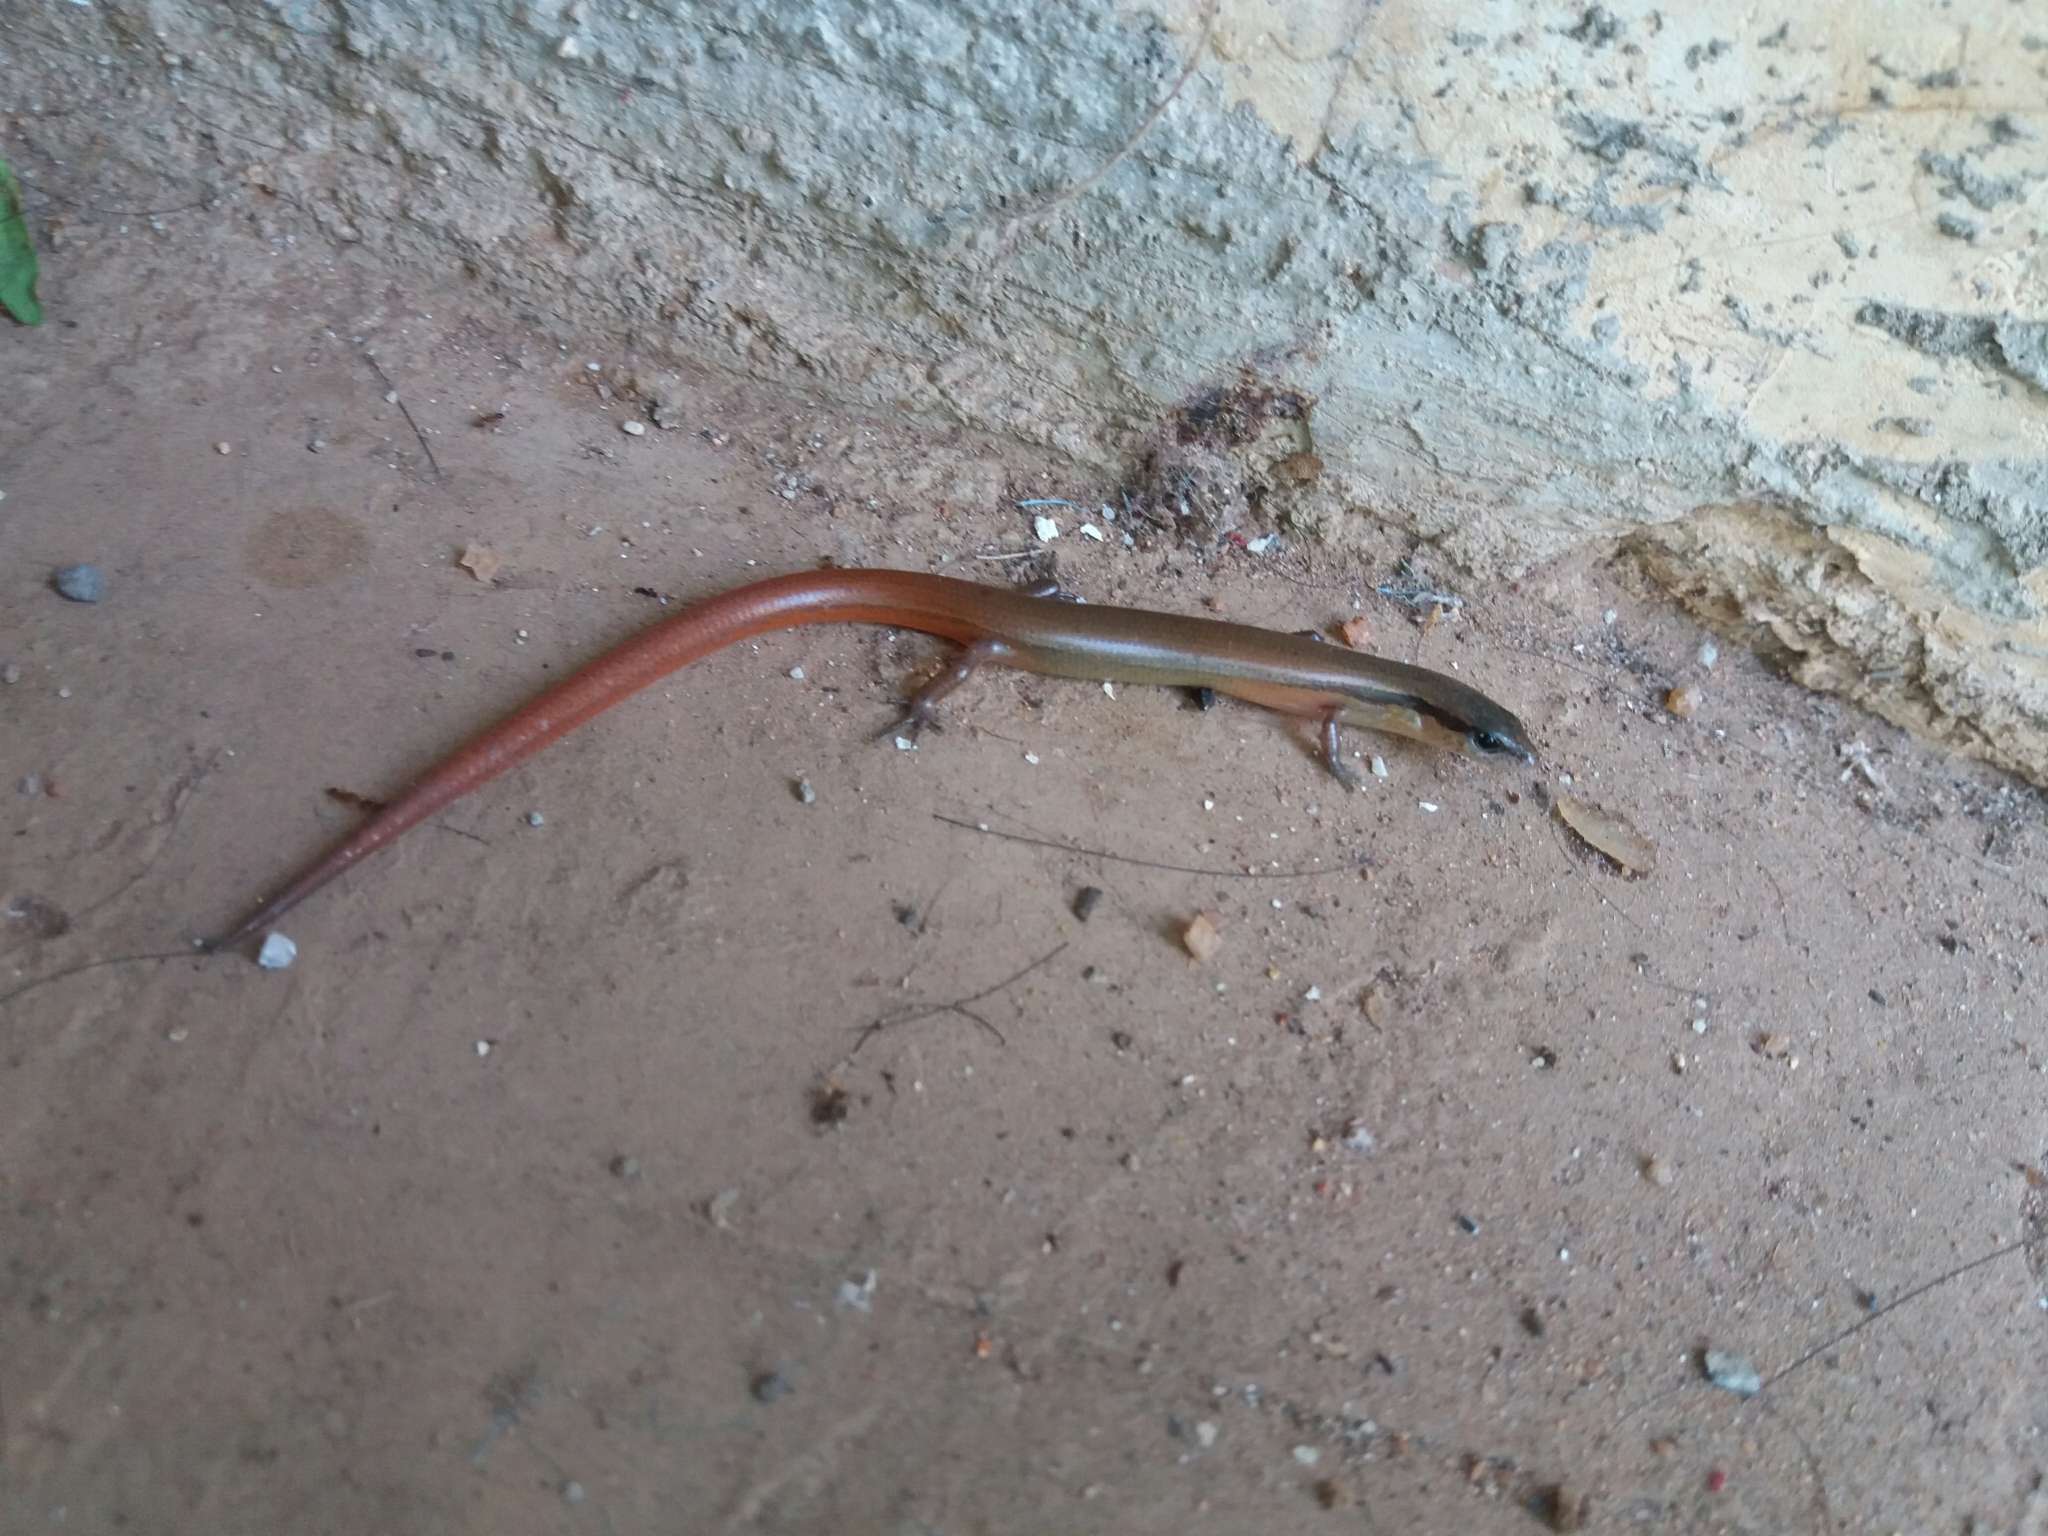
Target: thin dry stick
1889,1307
405,411
1067,194
92,965
1835,1339
1124,858
958,1005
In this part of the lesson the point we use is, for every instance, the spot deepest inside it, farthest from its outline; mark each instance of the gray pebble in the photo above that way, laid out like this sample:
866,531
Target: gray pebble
805,793
770,1385
11,673
535,819
80,583
572,1491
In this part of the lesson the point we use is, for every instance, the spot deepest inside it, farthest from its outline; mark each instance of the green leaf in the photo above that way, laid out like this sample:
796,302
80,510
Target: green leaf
17,255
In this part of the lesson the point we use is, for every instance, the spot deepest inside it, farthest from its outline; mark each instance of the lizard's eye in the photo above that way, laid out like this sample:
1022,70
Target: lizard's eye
1493,744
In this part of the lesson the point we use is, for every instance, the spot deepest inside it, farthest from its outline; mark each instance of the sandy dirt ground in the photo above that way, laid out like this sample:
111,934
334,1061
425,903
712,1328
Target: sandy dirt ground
559,1186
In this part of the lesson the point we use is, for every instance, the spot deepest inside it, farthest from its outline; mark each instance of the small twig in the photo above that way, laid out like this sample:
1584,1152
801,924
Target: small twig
958,1005
111,213
405,411
2017,1246
1833,1340
92,965
1124,858
182,791
1067,194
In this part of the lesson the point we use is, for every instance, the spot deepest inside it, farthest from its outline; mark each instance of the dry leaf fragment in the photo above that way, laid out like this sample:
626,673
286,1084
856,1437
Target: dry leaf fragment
1604,832
1301,468
1202,937
481,561
1357,632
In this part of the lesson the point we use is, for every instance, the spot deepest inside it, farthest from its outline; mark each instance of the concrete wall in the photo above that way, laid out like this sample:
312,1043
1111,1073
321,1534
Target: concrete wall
1760,295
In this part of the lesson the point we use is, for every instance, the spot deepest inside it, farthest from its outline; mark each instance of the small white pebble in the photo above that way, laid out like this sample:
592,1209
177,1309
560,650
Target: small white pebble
1307,1455
1208,804
1031,758
1609,617
805,793
905,744
1564,1255
633,428
64,693
1430,806
1312,995
223,448
391,397
535,819
1379,766
178,1035
568,48
1109,689
277,952
1205,1434
1709,654
1699,1026
593,367
1090,531
797,674
1046,528
483,1047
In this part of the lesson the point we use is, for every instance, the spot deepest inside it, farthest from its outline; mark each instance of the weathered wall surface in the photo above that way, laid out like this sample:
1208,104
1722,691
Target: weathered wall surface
1760,295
